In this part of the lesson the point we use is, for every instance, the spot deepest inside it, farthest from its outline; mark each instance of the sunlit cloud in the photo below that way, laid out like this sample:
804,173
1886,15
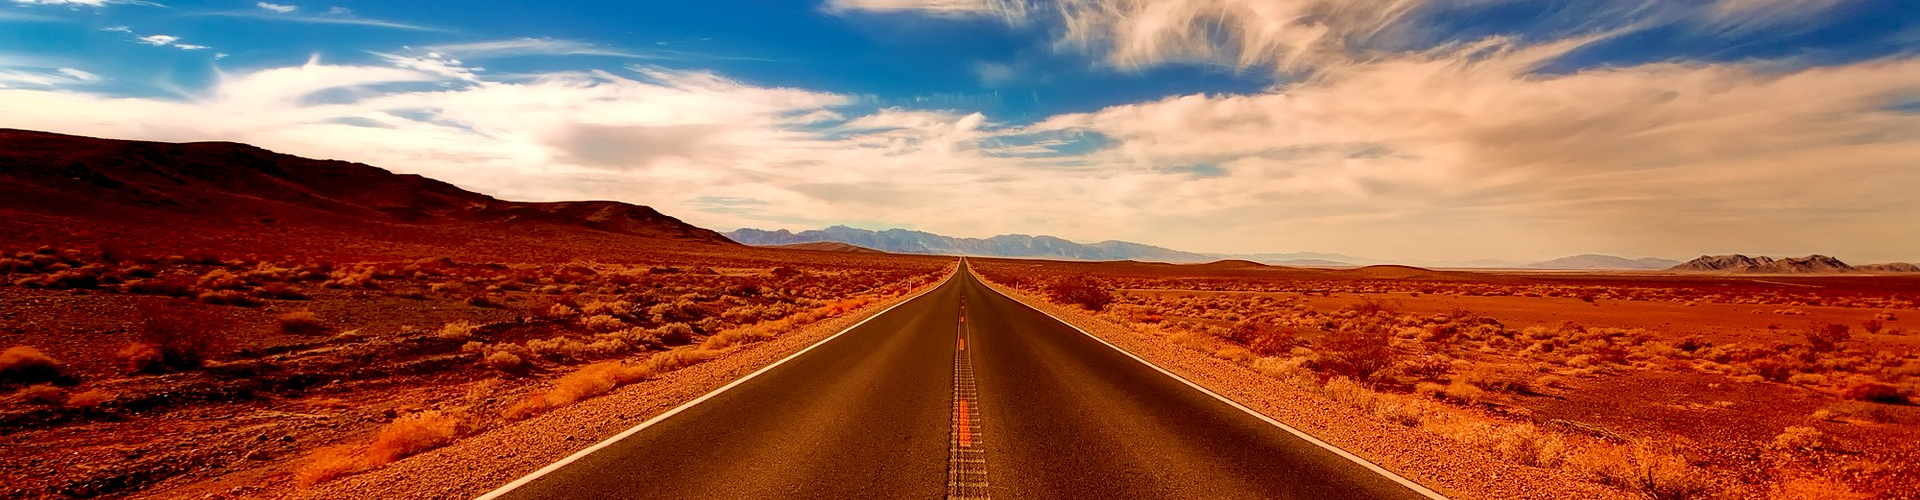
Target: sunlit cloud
283,9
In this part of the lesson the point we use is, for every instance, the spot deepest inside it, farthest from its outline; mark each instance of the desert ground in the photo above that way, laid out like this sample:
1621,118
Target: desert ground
1646,385
154,375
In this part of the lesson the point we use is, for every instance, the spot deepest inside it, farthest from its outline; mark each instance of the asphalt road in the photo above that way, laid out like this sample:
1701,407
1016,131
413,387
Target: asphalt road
871,414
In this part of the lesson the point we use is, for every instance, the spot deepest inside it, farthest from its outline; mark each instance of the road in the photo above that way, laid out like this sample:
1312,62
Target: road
1049,413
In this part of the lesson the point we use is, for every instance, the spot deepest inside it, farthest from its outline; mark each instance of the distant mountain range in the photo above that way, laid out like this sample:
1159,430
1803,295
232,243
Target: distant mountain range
1050,247
1006,245
1811,264
1597,261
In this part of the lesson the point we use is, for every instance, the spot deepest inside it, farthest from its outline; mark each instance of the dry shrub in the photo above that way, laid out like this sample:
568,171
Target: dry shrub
327,464
1290,371
557,347
89,399
185,337
1654,473
504,361
25,364
142,357
45,394
737,336
412,434
227,298
1081,290
281,291
301,322
1357,354
601,322
592,380
1876,392
1262,336
457,330
1827,337
1798,438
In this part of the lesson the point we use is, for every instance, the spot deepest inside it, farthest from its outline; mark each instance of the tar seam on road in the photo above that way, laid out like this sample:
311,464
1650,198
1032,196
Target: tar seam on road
1377,469
517,483
967,461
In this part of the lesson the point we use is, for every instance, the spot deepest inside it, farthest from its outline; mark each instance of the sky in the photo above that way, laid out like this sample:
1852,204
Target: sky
1436,130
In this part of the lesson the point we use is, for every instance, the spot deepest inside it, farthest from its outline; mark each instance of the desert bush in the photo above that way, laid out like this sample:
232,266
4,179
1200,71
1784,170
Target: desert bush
602,323
1357,354
45,394
410,435
457,330
587,382
561,311
504,361
1653,473
172,286
26,365
1827,337
183,337
1876,392
142,357
1081,290
1798,438
556,347
281,291
301,322
327,464
738,336
88,400
227,298
1262,336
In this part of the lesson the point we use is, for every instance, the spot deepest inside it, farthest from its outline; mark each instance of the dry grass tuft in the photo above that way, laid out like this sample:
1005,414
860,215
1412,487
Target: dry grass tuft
89,400
412,434
142,357
25,364
301,322
1798,438
45,394
1655,474
184,337
328,463
457,330
1876,392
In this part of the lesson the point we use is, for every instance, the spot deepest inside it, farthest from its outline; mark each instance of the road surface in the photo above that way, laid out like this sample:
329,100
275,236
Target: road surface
919,403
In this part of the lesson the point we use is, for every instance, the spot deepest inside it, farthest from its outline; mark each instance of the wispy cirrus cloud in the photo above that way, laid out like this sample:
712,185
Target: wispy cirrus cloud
1010,10
527,46
335,15
273,7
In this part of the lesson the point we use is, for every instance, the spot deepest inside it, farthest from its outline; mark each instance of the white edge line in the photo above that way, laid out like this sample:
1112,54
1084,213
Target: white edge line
517,483
1416,487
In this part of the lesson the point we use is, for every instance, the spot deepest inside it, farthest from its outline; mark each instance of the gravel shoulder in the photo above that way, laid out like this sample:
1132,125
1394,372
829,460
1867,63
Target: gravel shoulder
1448,467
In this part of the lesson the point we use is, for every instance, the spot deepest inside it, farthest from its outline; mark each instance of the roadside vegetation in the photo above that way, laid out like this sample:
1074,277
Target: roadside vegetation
1815,409
319,370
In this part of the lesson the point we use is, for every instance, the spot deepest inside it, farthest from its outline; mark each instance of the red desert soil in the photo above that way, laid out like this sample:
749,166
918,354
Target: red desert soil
186,320
1652,385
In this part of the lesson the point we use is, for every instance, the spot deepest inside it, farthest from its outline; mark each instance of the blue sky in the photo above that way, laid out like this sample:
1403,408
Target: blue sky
1415,129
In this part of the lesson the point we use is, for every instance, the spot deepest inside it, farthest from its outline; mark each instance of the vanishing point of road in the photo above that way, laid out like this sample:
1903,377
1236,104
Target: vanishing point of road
961,393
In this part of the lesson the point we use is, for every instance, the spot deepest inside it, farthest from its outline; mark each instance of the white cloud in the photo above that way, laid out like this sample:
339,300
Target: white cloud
80,75
994,74
277,7
86,3
1012,10
527,47
159,40
335,15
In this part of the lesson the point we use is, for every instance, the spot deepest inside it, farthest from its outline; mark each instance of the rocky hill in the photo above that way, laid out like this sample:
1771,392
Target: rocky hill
1811,264
229,197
